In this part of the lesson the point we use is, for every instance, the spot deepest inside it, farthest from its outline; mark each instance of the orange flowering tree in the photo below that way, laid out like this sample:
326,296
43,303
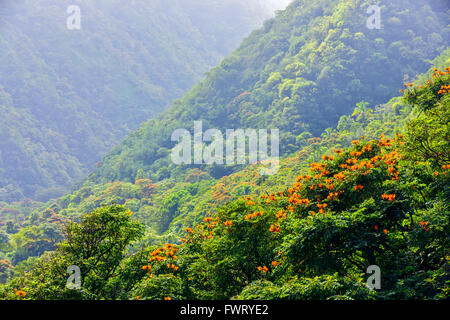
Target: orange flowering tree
377,202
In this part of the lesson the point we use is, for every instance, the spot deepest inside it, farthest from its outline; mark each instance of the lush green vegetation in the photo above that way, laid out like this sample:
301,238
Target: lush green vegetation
363,181
380,201
68,96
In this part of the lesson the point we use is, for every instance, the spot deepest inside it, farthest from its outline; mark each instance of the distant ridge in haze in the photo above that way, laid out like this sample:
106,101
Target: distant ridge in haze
68,96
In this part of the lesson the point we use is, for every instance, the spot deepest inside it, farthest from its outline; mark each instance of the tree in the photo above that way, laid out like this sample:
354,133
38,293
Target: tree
97,244
428,135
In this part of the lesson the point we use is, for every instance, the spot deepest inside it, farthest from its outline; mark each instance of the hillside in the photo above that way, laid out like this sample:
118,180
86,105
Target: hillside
299,73
370,202
166,197
68,96
363,181
169,206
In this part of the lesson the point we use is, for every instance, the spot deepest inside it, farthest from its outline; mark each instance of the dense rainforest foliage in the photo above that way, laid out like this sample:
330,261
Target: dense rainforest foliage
363,178
68,96
380,201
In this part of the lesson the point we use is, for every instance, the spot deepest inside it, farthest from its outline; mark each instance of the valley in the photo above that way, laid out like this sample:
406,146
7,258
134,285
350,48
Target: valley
182,208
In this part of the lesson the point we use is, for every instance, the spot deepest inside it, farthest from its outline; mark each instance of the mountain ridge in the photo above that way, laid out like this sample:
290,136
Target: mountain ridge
81,91
300,69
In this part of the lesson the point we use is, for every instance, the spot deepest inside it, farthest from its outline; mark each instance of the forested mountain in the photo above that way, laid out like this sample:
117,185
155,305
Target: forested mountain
363,182
338,206
68,96
170,205
300,72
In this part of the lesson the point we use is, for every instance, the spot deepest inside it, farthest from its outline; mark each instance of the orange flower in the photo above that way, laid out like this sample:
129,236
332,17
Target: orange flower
325,157
228,223
390,197
339,176
274,228
20,293
424,225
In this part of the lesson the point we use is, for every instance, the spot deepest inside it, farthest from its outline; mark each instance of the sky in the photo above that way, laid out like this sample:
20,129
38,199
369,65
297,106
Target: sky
264,9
